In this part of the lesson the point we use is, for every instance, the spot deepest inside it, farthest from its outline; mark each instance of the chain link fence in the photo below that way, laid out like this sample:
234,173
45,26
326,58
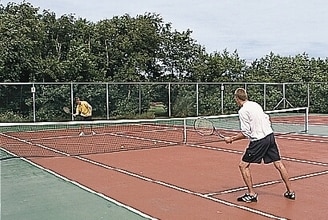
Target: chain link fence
44,101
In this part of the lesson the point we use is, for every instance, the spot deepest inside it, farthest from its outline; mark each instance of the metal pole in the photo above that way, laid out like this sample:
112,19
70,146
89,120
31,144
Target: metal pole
33,100
197,100
307,120
72,100
222,97
169,107
308,95
184,131
139,86
283,94
107,101
264,94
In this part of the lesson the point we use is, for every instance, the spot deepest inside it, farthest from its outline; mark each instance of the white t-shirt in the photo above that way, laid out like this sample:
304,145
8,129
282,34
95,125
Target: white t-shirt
254,123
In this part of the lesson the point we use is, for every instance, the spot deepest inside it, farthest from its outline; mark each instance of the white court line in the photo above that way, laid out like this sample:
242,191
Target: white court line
180,189
245,208
304,161
241,152
163,129
305,139
268,183
38,145
206,196
84,187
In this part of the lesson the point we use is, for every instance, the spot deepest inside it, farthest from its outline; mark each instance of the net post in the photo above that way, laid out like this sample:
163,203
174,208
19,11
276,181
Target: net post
184,130
72,99
169,101
33,100
107,101
197,99
306,125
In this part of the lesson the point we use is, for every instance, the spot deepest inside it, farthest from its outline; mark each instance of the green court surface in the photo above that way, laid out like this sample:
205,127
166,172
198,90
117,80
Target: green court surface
318,130
30,193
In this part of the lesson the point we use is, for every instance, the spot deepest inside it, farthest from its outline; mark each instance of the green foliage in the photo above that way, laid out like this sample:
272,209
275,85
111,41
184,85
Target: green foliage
210,99
320,98
158,109
10,116
183,100
146,115
37,47
21,36
49,101
125,100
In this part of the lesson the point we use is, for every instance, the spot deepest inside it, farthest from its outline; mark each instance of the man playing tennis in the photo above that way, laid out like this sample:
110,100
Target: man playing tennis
83,109
256,126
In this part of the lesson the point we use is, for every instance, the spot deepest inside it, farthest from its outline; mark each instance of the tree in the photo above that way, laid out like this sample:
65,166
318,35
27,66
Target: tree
20,34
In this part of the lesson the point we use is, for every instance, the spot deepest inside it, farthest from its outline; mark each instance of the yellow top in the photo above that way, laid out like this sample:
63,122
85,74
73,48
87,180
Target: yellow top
84,109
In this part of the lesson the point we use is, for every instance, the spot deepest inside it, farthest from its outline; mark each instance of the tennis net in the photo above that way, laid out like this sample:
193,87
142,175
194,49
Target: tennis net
56,139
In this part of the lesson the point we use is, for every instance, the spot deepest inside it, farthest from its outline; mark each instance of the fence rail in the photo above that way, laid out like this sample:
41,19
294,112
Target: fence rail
37,101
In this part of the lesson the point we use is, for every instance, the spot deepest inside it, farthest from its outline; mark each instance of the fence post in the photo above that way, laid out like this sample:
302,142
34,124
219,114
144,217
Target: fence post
107,101
283,100
264,96
308,95
169,107
139,86
222,98
197,100
284,94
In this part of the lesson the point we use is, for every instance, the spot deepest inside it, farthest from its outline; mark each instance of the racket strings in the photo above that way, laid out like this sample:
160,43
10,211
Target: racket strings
225,133
204,127
66,109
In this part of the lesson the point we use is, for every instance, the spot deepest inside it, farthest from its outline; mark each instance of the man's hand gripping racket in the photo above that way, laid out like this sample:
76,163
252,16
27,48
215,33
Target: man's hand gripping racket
68,111
205,127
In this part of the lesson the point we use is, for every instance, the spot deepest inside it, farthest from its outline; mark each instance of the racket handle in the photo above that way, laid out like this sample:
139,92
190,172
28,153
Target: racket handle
221,136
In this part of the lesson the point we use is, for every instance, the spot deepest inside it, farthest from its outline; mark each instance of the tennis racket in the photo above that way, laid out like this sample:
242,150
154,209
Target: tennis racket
205,127
67,110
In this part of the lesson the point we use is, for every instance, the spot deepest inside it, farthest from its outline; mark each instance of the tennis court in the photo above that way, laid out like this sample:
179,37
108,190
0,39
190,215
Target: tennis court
158,169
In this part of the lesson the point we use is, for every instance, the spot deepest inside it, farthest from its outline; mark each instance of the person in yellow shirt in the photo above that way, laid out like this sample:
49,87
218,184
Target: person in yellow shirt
83,109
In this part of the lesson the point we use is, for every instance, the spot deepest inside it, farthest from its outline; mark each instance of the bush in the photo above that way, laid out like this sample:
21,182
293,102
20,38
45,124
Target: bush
10,116
146,115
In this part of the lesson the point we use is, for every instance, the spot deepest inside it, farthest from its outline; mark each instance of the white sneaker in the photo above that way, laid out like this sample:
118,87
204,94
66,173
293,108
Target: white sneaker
93,133
81,134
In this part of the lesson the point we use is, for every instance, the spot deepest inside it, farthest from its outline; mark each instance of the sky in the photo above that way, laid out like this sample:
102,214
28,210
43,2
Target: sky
252,27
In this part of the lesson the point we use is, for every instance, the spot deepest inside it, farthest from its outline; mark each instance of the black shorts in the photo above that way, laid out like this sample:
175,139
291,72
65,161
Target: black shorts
265,149
87,118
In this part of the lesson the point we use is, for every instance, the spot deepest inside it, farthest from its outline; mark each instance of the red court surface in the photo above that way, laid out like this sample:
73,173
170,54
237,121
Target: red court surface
166,179
202,181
